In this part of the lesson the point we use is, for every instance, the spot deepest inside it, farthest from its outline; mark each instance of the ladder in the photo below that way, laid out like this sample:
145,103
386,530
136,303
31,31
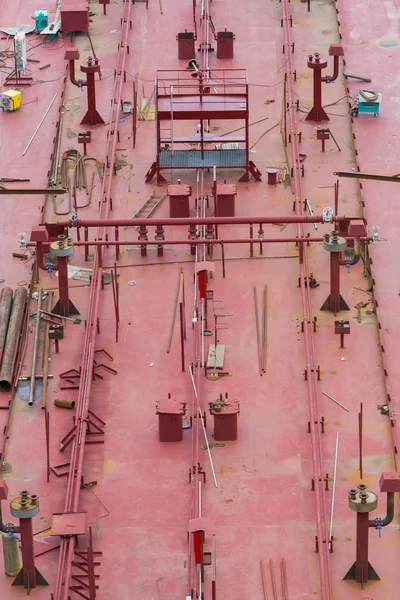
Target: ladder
149,206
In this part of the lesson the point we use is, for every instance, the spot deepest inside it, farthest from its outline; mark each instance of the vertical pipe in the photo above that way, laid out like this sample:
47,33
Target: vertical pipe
213,568
6,298
47,426
223,259
27,551
362,548
46,352
63,300
336,198
35,348
360,428
335,282
182,335
12,340
334,487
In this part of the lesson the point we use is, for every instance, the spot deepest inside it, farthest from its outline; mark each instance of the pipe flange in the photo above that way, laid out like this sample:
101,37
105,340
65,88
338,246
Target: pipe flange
63,247
25,507
333,243
362,501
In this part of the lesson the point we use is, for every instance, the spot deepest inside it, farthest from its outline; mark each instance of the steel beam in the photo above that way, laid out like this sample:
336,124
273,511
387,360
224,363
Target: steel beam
31,191
357,175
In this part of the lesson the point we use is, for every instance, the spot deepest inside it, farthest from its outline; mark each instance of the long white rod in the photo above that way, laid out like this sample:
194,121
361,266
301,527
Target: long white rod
204,430
40,124
334,486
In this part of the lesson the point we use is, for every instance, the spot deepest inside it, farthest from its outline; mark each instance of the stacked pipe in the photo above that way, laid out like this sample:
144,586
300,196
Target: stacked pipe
11,316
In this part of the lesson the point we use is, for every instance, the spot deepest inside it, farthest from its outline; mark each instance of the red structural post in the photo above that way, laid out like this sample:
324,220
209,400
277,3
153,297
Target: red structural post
63,286
25,507
317,63
28,558
62,249
334,245
362,502
91,67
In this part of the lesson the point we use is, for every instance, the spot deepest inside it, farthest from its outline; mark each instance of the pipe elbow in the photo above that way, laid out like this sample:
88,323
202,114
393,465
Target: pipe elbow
389,510
389,513
77,82
329,79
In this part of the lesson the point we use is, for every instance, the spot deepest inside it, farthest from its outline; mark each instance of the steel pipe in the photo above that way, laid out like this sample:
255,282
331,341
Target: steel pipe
203,241
13,333
35,349
6,298
310,360
204,221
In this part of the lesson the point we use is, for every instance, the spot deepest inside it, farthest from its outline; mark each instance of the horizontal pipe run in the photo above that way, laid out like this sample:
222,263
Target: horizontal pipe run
31,191
201,241
204,221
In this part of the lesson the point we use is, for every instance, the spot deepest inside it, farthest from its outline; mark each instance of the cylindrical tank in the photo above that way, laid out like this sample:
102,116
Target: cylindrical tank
14,328
5,311
11,555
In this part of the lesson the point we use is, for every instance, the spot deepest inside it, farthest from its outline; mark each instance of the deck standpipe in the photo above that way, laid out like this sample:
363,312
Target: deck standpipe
363,502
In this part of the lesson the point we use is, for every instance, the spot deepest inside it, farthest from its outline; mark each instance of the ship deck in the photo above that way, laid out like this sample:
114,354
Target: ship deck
136,490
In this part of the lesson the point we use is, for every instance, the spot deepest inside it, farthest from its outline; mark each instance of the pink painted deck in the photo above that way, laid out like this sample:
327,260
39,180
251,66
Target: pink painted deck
263,507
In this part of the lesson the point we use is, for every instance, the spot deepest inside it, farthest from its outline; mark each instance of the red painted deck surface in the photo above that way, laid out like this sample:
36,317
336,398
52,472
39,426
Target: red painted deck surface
263,507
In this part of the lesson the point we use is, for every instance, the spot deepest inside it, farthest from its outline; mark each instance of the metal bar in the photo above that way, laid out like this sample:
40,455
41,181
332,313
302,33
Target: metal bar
40,124
264,580
311,213
204,429
264,219
35,349
273,579
47,426
31,191
171,330
285,592
335,401
334,486
264,332
181,315
46,353
257,330
208,447
360,428
357,175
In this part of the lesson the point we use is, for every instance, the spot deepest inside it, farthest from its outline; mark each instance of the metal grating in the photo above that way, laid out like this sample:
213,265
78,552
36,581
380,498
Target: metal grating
191,159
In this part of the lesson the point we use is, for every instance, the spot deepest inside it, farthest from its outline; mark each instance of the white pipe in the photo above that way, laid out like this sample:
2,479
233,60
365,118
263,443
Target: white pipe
208,448
334,486
204,429
200,506
40,124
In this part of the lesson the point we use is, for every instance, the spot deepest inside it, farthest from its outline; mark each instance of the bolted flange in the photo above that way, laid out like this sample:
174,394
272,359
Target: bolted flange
361,500
25,506
333,243
63,247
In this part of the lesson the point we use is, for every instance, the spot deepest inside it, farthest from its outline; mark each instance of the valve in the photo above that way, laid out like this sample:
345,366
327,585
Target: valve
378,525
22,239
10,531
375,233
327,214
